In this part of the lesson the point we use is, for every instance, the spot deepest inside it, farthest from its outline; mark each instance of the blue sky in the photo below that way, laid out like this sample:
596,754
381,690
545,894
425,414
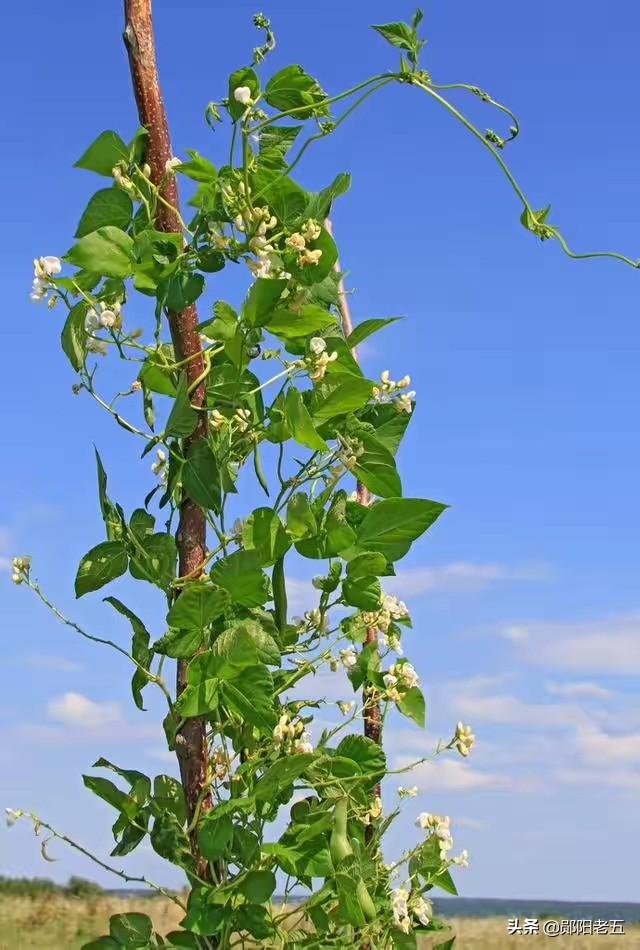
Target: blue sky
525,594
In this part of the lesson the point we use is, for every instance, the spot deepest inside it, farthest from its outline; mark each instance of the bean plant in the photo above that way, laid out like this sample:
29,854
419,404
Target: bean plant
268,803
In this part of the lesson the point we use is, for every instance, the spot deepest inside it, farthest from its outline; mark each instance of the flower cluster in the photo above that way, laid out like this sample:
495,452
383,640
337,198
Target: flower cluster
389,391
103,317
404,906
293,734
400,678
20,567
404,792
463,739
218,763
299,240
318,359
349,658
440,826
44,268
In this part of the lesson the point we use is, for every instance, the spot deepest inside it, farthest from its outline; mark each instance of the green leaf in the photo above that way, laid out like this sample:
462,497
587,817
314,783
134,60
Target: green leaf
198,700
261,300
158,562
107,251
390,425
214,835
112,795
105,152
170,841
197,606
293,88
139,648
282,774
183,417
340,394
179,644
301,521
320,204
275,142
286,199
391,526
264,533
102,943
309,320
205,916
109,206
445,882
74,336
247,643
255,919
366,753
412,705
241,574
376,468
131,930
366,564
111,515
224,325
362,592
250,695
258,886
241,77
201,477
198,167
180,290
168,795
401,35
156,375
100,565
300,422
367,328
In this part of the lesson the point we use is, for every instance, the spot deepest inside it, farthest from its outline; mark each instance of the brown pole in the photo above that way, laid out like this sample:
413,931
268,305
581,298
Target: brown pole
372,716
191,743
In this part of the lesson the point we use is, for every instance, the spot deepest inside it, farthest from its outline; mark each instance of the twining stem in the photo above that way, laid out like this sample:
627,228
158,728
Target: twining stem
372,712
191,745
38,823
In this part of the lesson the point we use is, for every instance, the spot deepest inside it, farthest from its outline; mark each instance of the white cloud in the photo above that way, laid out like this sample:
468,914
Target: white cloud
475,699
60,664
74,709
602,748
457,577
582,690
611,645
452,775
463,576
609,778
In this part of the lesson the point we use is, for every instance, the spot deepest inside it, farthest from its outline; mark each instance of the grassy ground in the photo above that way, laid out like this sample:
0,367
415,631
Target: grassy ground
58,923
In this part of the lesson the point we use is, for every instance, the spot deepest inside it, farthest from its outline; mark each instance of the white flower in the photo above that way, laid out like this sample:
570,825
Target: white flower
403,402
463,739
423,910
100,347
376,808
311,230
45,267
404,382
171,164
161,460
406,674
242,418
13,815
407,792
296,241
399,905
320,363
397,608
242,94
346,707
317,345
303,743
462,860
216,419
349,658
309,257
424,820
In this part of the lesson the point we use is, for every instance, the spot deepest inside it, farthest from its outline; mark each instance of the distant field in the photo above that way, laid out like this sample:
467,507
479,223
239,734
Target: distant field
60,923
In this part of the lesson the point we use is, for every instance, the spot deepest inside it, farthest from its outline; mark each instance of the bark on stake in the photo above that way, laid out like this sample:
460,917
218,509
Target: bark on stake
191,744
372,716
